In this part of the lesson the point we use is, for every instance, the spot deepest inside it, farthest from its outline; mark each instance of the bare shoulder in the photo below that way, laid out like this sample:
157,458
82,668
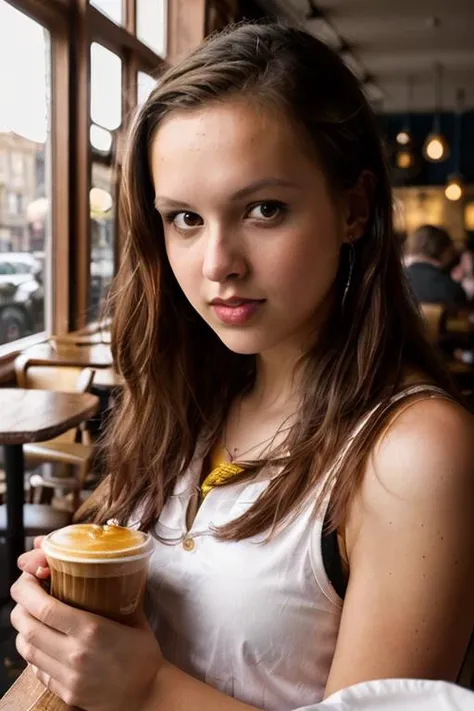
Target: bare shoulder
410,541
419,477
425,453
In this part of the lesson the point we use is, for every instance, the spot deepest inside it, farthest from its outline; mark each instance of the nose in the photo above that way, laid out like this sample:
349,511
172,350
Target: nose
223,257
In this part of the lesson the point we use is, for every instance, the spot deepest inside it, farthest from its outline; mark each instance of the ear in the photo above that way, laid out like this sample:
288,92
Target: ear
359,201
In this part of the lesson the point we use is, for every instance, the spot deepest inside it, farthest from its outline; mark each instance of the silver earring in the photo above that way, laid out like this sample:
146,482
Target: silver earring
349,276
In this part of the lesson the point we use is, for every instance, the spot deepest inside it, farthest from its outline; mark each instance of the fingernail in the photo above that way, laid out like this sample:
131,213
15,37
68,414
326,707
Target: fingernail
20,563
40,570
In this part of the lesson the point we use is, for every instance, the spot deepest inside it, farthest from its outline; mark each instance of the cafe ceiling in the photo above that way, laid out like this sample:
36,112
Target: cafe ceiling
392,43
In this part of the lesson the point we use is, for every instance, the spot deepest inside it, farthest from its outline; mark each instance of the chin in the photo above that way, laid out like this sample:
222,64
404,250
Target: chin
245,343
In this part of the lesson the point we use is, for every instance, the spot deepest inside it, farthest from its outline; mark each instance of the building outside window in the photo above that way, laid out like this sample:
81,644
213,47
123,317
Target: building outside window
24,141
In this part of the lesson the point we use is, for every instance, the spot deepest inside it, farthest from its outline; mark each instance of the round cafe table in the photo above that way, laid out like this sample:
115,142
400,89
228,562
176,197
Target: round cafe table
32,416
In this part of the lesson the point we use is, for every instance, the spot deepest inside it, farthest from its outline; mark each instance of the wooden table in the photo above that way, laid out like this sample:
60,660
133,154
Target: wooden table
28,694
98,355
77,339
32,416
107,378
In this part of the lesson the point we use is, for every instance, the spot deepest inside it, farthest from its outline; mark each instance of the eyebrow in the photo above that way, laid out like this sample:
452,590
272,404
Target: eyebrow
244,192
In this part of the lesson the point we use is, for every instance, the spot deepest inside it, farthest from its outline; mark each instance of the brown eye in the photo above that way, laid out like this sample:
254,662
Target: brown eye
187,220
266,211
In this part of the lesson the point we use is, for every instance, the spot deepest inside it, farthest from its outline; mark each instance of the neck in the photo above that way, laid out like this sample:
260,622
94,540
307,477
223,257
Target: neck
278,379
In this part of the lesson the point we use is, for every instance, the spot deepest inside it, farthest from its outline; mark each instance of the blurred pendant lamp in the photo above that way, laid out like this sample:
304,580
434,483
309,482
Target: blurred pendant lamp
404,156
454,187
436,148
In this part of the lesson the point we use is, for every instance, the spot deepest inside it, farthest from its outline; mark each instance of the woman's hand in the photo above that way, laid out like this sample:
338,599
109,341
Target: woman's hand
86,660
34,561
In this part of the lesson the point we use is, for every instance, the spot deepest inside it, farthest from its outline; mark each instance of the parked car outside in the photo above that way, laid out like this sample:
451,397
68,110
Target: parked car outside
21,296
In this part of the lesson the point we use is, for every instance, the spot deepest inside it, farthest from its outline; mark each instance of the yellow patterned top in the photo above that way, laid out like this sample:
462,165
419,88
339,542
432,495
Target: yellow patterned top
221,471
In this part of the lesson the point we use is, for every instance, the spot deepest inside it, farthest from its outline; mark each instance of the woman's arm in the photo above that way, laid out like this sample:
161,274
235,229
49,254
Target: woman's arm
80,657
176,691
409,608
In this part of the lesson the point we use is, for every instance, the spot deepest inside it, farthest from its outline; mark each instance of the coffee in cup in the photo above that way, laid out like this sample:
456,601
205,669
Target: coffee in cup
101,569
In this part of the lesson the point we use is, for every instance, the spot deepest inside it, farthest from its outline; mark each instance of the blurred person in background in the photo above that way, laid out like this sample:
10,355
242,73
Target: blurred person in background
431,254
463,272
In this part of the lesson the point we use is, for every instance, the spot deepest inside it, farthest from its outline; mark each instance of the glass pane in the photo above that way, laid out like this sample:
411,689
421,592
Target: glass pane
102,215
25,189
151,24
100,139
106,87
145,85
111,8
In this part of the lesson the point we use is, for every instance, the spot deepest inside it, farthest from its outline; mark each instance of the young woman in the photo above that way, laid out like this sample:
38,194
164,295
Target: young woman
285,432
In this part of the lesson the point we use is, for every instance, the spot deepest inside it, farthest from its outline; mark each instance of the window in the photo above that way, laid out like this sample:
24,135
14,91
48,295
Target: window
145,85
54,197
17,164
111,8
24,137
100,139
3,165
21,268
151,24
12,203
106,114
106,87
5,268
103,243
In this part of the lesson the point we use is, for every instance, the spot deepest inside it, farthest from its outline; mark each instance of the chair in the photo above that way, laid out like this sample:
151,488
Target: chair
434,316
39,519
71,449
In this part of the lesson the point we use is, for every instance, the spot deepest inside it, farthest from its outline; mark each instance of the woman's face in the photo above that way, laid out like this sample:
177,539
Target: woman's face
251,232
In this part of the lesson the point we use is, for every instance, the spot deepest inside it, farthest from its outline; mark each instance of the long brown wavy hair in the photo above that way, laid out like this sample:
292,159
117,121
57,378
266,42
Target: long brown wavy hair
179,378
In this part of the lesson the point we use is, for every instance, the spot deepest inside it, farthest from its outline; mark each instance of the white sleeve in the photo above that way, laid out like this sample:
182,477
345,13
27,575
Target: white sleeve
398,695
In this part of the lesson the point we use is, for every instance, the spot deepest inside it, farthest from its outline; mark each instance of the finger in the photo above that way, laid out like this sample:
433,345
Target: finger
59,690
37,543
33,562
42,573
48,672
40,637
28,593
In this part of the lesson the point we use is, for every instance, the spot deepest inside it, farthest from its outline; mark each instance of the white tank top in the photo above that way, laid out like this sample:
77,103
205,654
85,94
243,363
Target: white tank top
258,621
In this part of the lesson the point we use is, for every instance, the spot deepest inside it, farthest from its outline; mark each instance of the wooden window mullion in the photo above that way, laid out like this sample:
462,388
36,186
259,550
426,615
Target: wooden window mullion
60,136
131,16
186,27
81,232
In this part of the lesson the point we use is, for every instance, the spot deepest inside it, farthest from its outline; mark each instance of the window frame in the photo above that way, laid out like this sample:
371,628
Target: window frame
52,17
73,25
94,26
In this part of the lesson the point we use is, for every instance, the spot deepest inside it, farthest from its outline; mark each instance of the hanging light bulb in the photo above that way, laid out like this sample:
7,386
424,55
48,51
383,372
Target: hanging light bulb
436,147
404,159
454,188
404,137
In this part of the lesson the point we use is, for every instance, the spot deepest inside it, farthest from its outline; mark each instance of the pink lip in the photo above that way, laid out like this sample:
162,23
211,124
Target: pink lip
235,311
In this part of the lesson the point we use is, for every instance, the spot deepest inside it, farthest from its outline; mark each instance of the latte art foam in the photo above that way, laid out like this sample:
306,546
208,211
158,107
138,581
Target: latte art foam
91,541
101,569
